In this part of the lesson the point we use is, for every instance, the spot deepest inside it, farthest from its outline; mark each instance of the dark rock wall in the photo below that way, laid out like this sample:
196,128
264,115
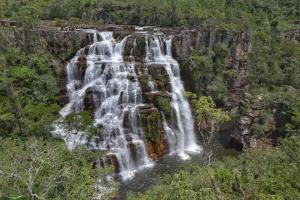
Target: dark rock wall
237,135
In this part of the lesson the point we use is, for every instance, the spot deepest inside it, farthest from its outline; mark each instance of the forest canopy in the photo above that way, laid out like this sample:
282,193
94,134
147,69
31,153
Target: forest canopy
271,15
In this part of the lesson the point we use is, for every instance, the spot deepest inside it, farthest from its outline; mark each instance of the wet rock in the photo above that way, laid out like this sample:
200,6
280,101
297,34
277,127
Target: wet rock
148,110
114,162
89,101
155,73
133,151
81,67
131,78
160,77
126,120
135,48
64,44
145,106
164,105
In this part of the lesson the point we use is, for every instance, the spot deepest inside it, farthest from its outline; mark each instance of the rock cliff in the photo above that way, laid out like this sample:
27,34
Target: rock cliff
63,44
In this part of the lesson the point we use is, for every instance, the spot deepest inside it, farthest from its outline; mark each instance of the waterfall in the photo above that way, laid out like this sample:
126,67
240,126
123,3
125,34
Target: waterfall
184,130
117,95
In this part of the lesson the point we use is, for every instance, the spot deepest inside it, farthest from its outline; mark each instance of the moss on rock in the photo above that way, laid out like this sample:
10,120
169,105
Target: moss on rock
164,105
144,82
152,126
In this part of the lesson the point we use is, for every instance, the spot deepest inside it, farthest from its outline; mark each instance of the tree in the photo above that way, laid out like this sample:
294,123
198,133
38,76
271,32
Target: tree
208,121
37,169
28,94
208,117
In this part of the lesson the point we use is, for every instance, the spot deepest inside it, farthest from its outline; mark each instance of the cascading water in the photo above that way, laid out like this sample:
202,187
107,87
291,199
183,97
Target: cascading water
117,96
183,130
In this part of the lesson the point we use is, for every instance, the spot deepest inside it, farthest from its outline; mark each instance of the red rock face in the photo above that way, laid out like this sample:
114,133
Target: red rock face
156,151
114,163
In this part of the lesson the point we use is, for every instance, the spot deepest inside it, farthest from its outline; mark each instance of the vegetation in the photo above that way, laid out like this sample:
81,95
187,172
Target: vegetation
208,121
82,121
249,14
44,169
262,174
152,129
208,117
205,71
28,94
164,105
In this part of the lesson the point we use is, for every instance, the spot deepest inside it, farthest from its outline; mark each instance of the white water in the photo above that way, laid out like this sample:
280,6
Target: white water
116,99
185,140
114,96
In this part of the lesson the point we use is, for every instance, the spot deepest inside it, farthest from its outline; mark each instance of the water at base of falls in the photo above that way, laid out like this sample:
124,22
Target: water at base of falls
116,97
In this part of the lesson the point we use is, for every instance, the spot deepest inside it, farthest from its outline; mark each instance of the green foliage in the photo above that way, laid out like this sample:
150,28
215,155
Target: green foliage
82,121
205,71
28,92
144,82
277,111
28,99
267,173
38,119
202,71
152,126
275,63
45,170
27,13
237,15
164,104
265,124
217,89
208,117
205,109
293,125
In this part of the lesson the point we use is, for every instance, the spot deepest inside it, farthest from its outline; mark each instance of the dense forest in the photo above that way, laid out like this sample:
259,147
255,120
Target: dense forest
35,165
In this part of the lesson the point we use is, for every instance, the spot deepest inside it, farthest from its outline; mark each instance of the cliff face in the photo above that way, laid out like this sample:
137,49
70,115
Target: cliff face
63,44
239,44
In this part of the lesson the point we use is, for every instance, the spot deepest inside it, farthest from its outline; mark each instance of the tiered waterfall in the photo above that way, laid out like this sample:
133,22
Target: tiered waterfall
117,94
